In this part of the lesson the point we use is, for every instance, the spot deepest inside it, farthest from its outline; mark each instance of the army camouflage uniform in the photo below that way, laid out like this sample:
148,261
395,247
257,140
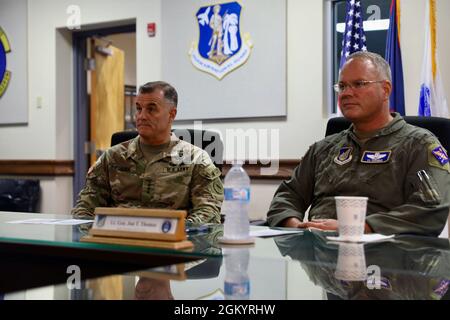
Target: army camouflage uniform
397,201
182,176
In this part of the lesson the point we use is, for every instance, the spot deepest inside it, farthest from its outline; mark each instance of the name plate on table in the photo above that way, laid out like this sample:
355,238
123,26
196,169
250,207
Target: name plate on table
141,227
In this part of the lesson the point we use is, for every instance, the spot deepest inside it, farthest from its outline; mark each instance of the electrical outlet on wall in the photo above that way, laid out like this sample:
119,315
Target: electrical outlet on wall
39,102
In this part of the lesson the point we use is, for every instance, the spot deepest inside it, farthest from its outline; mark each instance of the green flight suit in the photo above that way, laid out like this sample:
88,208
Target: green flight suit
182,176
384,168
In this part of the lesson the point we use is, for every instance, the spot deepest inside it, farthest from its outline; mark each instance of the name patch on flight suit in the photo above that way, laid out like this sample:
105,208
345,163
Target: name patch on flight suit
376,156
344,156
438,157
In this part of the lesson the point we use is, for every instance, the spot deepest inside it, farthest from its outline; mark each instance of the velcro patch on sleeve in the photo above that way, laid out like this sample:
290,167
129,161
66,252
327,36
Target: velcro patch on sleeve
437,157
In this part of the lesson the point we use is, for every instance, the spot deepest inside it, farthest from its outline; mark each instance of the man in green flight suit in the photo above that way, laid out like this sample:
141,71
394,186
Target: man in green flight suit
378,157
155,169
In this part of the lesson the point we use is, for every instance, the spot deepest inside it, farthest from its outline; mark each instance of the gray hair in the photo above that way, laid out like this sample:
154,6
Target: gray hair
383,68
170,94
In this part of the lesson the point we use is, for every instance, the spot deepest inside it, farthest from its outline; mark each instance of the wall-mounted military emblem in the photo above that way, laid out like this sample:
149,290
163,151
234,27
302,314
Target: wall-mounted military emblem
220,48
5,75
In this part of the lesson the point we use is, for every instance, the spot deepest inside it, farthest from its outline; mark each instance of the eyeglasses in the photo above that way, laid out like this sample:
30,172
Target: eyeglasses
341,87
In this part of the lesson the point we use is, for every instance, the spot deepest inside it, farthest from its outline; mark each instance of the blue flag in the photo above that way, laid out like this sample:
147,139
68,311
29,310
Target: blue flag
354,37
394,58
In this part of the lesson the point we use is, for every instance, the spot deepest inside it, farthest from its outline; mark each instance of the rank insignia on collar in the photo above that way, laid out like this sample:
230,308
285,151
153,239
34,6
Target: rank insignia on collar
376,156
440,155
344,156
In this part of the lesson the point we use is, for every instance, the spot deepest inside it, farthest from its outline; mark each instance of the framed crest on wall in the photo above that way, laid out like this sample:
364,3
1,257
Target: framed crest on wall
220,48
13,62
227,59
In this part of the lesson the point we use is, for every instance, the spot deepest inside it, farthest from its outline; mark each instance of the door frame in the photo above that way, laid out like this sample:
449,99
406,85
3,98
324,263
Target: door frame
81,99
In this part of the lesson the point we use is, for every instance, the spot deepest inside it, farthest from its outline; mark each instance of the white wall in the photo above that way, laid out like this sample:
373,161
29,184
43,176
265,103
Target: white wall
49,134
38,140
305,120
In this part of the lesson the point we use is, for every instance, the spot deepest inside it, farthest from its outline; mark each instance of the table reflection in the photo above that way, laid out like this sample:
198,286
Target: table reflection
153,289
237,281
155,283
407,267
351,262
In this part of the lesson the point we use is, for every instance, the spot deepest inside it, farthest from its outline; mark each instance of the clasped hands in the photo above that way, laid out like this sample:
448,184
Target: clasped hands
320,224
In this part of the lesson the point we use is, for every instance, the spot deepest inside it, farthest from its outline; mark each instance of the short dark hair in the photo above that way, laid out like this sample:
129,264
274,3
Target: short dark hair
170,94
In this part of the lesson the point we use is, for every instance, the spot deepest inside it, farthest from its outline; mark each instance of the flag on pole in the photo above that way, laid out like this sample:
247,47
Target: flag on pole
394,58
432,99
354,38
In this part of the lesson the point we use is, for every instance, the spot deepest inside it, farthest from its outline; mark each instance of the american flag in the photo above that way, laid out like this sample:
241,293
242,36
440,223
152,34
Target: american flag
354,37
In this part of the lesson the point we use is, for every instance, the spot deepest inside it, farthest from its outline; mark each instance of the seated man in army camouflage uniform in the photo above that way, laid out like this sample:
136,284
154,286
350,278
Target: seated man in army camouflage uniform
155,169
378,157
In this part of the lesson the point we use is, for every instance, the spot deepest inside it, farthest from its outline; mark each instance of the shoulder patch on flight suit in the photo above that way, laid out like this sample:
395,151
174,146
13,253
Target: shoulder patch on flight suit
437,157
385,283
376,156
344,156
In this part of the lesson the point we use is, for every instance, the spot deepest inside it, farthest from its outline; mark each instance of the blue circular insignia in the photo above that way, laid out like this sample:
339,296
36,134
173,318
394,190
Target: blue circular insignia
166,226
2,60
5,75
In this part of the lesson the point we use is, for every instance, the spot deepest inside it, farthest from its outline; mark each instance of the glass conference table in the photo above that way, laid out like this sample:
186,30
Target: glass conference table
49,262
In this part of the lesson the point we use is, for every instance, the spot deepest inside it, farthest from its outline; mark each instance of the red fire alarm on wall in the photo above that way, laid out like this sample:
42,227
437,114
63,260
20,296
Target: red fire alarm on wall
151,29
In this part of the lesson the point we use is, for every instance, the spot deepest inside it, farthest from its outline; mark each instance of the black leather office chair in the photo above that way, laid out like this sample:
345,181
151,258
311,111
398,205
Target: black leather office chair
19,195
209,141
440,127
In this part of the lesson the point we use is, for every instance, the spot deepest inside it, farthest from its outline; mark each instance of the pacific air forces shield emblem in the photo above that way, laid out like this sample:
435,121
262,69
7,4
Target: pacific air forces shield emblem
220,48
344,156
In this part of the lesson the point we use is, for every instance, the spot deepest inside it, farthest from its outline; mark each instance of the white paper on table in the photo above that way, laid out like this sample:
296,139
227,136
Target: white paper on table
61,222
268,232
372,237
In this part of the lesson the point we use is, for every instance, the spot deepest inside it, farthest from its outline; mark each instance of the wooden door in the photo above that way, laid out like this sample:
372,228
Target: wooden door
107,112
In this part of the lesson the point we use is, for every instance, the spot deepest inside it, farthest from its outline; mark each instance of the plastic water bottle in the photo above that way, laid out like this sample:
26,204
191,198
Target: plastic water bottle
237,282
236,202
